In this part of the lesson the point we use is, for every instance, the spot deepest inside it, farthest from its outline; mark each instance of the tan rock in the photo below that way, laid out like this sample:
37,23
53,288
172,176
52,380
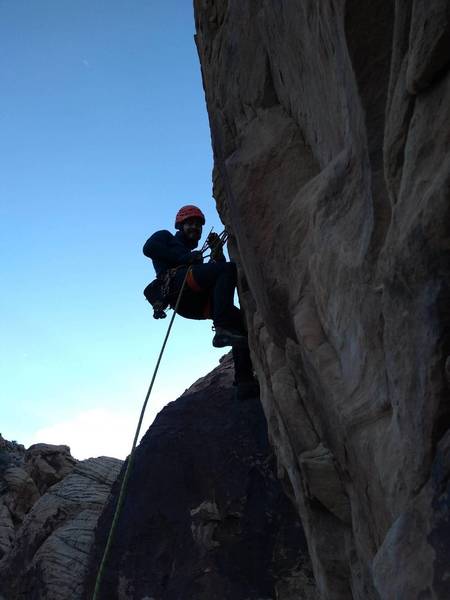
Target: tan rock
47,464
22,491
329,125
25,475
51,548
322,482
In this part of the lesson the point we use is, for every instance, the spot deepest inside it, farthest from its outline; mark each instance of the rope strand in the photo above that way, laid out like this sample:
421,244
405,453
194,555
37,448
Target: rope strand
120,501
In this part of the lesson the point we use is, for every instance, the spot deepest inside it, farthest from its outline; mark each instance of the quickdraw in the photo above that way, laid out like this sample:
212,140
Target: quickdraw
216,248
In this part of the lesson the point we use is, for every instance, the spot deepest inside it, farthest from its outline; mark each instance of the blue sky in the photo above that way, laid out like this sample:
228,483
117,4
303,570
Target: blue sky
104,136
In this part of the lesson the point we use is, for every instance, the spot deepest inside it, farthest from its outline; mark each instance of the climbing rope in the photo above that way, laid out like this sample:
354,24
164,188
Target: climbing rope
222,239
123,487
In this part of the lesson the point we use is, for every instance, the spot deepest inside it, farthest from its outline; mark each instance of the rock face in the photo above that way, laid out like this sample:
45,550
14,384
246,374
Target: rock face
204,516
48,464
330,129
18,492
24,476
49,507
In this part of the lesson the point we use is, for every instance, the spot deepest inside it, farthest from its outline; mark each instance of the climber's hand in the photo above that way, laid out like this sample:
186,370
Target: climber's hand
196,257
213,240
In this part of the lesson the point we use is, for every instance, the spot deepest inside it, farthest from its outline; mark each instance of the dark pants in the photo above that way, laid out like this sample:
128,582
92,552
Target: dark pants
209,294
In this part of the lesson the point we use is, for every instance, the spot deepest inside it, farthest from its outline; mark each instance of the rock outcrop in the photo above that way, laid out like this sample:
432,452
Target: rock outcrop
49,507
18,492
24,476
330,129
204,516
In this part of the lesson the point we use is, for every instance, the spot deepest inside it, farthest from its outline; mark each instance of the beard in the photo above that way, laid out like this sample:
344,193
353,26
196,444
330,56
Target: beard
192,236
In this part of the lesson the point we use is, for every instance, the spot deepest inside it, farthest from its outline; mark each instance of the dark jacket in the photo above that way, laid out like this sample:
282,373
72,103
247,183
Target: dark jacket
167,251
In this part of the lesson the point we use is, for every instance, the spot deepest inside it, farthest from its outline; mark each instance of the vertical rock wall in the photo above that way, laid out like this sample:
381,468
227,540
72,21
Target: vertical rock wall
330,129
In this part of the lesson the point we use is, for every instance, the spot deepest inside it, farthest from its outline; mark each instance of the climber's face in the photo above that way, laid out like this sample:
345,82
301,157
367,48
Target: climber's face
192,229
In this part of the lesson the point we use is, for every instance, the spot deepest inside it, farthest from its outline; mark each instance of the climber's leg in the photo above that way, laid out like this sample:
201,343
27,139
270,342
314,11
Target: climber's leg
219,279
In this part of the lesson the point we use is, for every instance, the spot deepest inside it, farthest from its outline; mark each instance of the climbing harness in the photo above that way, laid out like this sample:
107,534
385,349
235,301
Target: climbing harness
163,294
123,486
158,292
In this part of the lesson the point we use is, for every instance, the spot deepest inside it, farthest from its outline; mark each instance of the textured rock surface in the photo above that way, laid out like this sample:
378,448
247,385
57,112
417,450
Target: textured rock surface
47,464
24,476
204,517
330,128
49,507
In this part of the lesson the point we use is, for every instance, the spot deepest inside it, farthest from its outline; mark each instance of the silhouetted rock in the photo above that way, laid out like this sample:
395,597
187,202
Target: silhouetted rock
204,516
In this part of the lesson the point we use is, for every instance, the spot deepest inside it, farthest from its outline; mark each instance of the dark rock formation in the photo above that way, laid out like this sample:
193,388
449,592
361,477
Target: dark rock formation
204,516
330,128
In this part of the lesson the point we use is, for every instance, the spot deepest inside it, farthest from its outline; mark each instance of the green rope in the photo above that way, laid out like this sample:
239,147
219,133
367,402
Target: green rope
106,552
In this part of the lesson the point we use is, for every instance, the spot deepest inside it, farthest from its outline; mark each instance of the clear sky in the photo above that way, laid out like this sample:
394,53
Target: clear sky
104,135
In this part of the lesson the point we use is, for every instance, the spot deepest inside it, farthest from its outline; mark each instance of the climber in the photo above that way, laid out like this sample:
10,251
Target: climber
209,287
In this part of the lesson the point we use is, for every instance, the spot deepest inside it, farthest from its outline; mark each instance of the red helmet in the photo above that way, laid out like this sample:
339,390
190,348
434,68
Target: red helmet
187,212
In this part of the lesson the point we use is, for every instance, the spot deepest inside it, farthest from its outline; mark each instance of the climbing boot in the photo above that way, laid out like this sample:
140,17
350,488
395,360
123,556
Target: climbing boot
228,337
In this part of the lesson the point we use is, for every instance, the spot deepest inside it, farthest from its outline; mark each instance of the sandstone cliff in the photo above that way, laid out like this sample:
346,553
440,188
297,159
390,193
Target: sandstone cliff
204,516
330,129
